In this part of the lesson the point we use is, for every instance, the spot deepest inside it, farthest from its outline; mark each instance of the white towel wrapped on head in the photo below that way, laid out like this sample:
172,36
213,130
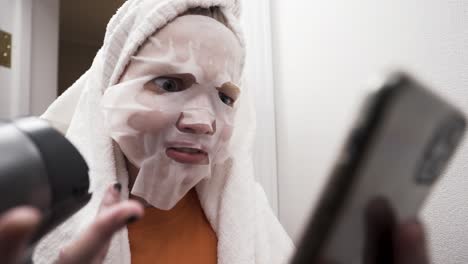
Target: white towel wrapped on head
233,202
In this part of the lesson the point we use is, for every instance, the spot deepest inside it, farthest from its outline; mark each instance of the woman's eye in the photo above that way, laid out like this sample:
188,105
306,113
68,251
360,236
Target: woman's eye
226,99
170,85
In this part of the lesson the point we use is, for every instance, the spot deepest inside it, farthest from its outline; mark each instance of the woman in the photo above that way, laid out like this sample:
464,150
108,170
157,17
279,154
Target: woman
162,112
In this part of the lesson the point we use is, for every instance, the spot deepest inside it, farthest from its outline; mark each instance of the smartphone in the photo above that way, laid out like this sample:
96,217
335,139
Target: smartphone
398,148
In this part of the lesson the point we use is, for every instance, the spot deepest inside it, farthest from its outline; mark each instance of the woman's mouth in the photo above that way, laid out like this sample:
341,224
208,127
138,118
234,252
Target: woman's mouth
188,155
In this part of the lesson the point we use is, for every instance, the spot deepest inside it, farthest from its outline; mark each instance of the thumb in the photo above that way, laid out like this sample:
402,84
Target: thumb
113,215
16,228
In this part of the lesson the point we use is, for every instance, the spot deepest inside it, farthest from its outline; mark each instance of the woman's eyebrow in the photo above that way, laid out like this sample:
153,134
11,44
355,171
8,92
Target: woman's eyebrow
188,78
230,90
163,67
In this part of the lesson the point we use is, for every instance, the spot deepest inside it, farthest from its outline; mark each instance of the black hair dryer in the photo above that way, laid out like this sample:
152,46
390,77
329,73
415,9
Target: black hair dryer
39,167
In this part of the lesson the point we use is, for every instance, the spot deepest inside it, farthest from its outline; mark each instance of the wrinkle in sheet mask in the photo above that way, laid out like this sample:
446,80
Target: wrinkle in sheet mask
172,112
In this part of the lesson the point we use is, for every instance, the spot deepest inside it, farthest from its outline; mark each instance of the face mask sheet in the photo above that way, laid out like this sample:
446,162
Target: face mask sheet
173,113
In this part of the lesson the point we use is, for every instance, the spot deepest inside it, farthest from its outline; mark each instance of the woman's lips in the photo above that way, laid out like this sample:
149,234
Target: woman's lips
188,155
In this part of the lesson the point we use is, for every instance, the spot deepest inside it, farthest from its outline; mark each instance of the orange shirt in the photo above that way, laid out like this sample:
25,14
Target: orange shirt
180,235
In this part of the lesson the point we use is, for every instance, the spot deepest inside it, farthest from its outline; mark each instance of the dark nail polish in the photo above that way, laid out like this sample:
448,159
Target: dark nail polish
132,219
118,187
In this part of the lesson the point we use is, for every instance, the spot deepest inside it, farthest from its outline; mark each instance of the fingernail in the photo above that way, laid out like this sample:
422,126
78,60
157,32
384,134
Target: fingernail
132,219
118,187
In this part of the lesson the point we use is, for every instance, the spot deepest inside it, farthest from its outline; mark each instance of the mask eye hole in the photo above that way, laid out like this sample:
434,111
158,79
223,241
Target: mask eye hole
226,99
228,93
169,84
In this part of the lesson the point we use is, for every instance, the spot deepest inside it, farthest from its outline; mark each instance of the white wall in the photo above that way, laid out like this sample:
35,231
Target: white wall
30,85
324,53
44,54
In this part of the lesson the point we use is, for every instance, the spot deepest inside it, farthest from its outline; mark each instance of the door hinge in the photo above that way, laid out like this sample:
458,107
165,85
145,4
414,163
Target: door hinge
5,49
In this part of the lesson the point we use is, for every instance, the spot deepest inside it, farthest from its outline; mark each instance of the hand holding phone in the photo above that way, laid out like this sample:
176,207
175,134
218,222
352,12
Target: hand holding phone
401,143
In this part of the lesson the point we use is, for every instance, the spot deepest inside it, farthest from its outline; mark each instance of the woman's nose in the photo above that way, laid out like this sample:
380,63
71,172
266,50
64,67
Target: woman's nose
197,121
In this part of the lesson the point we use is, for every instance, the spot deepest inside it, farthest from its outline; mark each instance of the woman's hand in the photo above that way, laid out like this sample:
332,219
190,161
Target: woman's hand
18,225
410,244
113,215
390,242
16,228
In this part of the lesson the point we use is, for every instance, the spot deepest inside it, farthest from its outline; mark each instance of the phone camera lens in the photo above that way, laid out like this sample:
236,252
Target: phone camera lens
439,150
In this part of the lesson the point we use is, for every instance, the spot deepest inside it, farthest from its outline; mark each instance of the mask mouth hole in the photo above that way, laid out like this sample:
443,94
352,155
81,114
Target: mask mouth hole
188,155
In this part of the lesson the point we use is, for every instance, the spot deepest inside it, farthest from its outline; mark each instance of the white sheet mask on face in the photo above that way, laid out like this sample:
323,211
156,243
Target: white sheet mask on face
172,112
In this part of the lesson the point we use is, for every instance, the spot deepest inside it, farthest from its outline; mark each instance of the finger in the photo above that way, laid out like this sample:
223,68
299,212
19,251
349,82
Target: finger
111,196
410,244
92,243
379,226
16,228
326,261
